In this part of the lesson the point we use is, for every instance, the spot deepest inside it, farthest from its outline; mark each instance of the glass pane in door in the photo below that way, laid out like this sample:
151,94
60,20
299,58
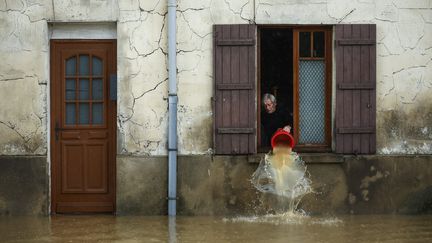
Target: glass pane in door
84,65
70,113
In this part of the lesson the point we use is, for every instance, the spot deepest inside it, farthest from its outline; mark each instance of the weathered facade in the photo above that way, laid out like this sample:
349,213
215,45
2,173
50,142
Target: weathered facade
396,179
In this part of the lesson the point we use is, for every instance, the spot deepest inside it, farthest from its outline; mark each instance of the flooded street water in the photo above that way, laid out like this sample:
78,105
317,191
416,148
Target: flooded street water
279,228
281,173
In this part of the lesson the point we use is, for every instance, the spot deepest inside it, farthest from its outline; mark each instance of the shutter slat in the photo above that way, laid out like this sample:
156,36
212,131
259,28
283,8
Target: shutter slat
243,103
357,109
234,77
364,99
348,94
251,75
226,96
235,110
356,88
217,72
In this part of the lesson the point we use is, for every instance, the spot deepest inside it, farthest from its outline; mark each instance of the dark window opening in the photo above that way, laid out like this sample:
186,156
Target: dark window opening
295,68
276,75
305,43
318,44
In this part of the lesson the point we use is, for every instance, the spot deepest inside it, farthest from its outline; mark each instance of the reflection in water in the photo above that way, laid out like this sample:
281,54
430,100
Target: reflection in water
172,232
283,172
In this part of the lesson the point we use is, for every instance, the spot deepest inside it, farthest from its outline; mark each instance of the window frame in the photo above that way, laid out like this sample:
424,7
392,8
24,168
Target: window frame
77,101
328,31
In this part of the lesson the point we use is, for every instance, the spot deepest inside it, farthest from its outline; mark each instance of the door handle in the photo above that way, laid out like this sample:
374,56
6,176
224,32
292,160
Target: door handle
57,129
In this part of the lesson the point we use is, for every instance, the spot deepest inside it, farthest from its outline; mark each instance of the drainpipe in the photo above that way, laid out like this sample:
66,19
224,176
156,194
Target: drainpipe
172,109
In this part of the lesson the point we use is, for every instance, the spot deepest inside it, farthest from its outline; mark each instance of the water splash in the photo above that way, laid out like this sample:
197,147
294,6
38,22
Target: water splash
288,218
284,173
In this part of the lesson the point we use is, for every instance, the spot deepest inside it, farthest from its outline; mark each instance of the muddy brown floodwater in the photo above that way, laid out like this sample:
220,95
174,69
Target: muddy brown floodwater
280,228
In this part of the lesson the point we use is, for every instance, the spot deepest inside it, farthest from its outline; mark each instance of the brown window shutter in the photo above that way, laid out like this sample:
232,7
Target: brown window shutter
234,102
355,49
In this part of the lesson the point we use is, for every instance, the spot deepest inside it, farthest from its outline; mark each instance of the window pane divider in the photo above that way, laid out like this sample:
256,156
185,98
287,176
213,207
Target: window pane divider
77,91
90,89
83,76
312,58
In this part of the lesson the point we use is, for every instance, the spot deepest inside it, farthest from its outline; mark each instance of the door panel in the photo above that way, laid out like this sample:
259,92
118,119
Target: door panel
72,167
96,175
83,126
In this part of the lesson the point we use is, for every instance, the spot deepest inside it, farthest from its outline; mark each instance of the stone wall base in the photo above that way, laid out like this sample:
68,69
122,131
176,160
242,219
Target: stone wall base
219,185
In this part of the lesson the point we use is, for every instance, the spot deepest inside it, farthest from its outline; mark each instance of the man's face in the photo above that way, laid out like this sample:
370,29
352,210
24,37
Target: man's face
269,106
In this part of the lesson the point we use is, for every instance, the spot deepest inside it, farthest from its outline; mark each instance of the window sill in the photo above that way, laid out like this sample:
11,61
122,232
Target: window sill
309,158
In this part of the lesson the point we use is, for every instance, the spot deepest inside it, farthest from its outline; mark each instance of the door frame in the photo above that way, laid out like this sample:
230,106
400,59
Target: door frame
53,107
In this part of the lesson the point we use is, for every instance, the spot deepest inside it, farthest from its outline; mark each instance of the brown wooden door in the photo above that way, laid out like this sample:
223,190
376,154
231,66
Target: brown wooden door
83,121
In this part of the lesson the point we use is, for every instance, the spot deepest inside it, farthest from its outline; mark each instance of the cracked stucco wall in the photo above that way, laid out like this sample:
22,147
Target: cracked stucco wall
23,77
404,66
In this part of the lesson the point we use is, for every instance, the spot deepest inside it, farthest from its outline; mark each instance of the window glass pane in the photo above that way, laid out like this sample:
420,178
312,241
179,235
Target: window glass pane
84,65
305,44
312,102
84,113
71,66
97,113
70,89
97,89
97,67
318,43
70,113
84,89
